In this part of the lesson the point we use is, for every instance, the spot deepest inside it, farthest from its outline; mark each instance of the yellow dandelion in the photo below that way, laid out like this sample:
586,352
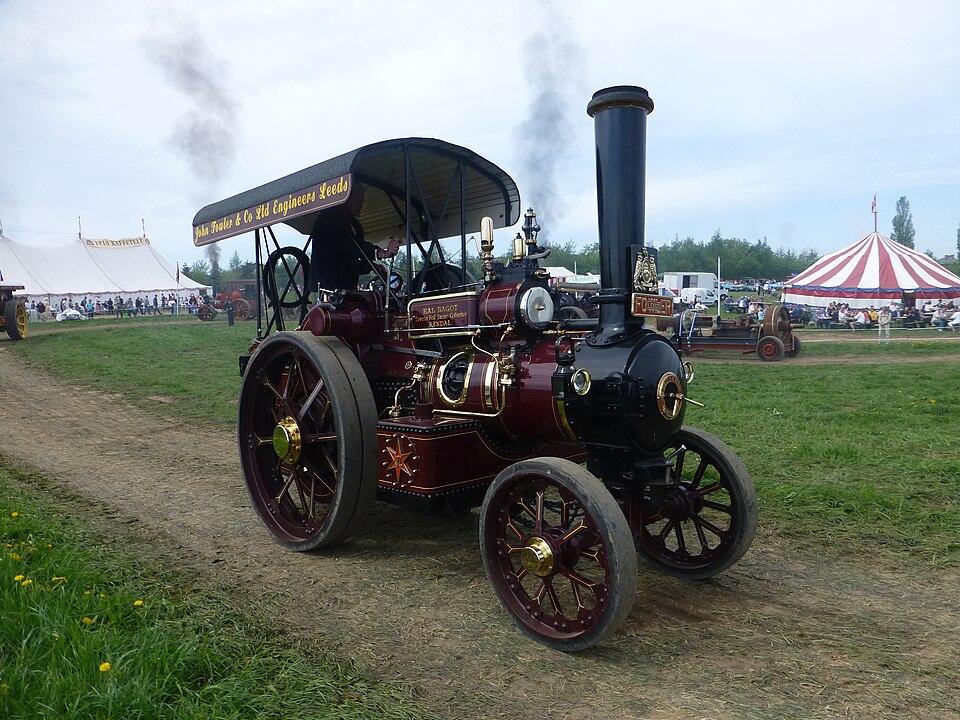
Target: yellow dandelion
14,556
17,578
101,596
138,603
58,579
87,621
14,514
26,582
49,546
105,667
86,592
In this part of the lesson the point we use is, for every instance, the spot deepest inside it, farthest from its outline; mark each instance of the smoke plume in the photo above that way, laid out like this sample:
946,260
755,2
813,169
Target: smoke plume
204,135
213,256
544,136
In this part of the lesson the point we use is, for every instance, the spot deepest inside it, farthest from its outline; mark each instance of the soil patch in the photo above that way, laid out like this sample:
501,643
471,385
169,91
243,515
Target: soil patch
780,635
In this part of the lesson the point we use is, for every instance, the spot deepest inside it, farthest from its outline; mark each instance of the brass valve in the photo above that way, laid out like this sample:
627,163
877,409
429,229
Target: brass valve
419,374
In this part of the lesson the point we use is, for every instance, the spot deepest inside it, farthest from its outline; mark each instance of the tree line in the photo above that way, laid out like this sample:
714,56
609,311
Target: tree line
739,258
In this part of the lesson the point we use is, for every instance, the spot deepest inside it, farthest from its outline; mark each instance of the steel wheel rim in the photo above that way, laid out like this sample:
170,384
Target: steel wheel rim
698,514
21,319
568,597
293,491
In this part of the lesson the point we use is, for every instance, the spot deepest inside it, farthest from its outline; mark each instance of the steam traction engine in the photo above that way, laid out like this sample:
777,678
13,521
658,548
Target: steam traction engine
439,391
235,300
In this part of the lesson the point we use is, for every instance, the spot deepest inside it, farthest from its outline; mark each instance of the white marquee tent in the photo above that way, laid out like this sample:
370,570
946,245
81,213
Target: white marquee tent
91,268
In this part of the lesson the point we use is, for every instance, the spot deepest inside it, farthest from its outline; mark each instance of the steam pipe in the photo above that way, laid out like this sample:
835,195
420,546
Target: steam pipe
620,127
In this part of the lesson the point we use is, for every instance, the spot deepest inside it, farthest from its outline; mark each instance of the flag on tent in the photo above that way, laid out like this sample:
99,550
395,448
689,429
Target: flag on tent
873,208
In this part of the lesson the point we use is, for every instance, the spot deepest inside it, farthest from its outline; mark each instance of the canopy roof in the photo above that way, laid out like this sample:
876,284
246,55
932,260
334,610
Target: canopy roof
872,271
433,171
91,267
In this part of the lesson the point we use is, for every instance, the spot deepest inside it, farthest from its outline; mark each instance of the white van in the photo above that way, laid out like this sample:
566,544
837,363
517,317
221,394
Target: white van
690,296
691,287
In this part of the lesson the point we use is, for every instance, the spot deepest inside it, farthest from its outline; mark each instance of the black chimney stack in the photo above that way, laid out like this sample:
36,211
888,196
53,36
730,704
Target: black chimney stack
620,125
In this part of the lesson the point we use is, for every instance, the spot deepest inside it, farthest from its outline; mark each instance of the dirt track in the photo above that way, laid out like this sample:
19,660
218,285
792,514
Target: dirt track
779,635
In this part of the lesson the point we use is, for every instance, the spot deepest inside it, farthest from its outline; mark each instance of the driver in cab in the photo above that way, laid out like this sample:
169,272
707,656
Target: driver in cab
339,254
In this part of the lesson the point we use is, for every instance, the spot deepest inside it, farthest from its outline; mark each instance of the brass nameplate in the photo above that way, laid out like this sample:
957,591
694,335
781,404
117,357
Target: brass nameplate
445,311
652,305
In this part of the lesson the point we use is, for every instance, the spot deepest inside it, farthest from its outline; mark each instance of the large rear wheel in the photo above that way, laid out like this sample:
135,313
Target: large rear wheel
307,437
241,309
705,522
557,550
15,315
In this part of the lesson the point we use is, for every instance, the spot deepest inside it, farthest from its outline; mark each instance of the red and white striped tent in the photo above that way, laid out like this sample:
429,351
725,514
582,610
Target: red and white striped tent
873,271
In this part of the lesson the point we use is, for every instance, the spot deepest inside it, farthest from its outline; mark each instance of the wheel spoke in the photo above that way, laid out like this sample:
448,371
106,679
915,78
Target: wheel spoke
554,600
538,518
666,530
718,507
709,526
286,485
309,402
576,578
520,536
330,463
313,471
527,509
704,546
681,543
572,533
678,466
698,475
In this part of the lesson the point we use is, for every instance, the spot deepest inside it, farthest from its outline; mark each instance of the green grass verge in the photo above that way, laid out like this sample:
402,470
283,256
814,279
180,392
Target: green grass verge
857,456
185,369
92,633
856,453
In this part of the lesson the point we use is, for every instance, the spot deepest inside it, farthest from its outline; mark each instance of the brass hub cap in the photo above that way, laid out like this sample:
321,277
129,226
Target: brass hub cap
537,557
286,440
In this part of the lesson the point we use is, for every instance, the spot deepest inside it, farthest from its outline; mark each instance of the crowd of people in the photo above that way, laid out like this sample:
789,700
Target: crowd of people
119,307
942,315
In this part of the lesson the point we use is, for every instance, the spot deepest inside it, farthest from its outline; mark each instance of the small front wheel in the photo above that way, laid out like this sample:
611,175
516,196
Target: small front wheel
558,552
770,348
706,520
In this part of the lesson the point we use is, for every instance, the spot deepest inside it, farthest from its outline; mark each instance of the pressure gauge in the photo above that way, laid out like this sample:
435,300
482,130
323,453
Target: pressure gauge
536,308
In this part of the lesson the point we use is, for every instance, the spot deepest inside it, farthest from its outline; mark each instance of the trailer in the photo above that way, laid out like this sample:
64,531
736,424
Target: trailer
771,339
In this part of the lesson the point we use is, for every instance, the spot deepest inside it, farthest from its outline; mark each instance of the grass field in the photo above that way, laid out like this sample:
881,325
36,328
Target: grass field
856,451
89,632
851,446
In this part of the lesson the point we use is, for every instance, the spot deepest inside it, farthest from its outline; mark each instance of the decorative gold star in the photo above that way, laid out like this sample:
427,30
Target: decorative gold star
398,461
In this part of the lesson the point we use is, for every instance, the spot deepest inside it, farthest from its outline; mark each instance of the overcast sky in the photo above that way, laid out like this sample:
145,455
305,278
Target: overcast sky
772,120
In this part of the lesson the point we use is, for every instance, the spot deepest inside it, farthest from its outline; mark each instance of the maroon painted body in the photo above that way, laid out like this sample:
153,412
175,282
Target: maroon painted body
469,425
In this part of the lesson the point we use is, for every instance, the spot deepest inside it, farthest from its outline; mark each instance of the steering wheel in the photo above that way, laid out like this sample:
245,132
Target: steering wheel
294,269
